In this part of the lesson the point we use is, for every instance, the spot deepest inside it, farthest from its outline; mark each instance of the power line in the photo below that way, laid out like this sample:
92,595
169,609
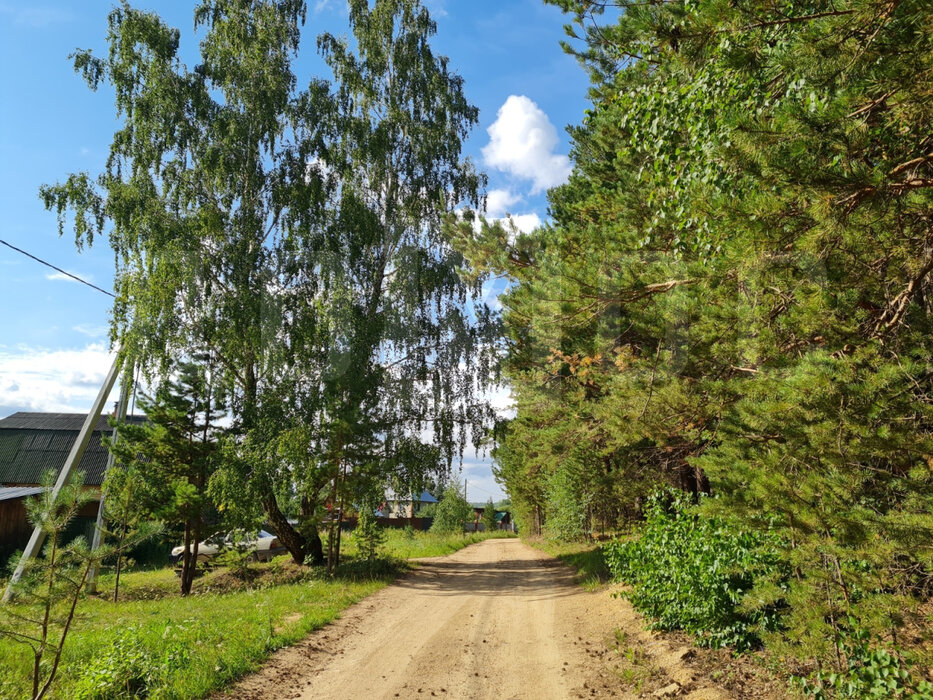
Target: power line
480,488
58,269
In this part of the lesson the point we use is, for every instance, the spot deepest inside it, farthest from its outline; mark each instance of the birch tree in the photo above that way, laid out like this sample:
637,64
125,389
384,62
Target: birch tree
295,234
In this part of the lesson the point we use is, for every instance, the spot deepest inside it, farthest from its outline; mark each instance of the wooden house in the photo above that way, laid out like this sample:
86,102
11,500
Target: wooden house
32,444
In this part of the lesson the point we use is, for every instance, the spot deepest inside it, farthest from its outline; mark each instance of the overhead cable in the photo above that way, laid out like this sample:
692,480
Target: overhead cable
57,269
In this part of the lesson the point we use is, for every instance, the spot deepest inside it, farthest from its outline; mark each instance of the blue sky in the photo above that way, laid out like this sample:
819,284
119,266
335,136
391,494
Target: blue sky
54,350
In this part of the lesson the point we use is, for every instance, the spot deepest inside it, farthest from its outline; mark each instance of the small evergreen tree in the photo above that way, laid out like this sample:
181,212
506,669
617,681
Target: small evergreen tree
489,516
123,518
370,536
174,454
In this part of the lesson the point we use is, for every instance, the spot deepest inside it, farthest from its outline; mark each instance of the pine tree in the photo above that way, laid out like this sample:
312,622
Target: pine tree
174,454
733,294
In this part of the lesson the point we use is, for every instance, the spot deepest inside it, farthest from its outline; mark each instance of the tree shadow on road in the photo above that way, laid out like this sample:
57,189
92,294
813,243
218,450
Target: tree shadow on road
534,578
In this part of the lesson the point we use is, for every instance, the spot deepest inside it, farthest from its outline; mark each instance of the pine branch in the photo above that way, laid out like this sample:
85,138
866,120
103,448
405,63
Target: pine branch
870,106
898,307
774,23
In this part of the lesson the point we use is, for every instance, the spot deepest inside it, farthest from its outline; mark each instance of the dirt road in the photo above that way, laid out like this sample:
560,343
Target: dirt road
498,619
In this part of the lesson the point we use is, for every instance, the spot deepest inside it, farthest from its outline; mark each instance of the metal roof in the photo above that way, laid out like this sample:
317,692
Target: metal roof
425,497
50,421
33,443
8,493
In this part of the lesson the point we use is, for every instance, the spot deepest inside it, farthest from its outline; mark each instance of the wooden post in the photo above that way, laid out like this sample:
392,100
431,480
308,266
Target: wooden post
98,529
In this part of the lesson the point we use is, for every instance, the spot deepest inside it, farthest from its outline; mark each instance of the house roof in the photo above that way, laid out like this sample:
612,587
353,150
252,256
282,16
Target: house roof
33,443
424,498
9,493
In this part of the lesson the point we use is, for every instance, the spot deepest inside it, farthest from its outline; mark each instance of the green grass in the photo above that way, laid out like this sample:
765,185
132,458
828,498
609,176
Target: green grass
226,628
585,557
415,545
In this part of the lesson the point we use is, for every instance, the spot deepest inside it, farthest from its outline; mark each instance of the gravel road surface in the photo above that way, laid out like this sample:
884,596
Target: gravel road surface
498,619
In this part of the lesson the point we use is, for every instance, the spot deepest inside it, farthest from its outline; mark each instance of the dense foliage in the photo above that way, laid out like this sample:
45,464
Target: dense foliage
734,294
871,671
168,460
452,511
693,573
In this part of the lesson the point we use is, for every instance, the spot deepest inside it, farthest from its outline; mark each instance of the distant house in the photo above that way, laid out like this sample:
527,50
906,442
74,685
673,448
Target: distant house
30,445
503,519
396,507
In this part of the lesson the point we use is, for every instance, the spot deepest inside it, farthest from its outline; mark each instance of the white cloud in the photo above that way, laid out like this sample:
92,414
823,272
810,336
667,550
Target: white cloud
437,8
476,470
502,401
63,277
41,379
499,201
91,331
322,5
526,223
522,142
513,223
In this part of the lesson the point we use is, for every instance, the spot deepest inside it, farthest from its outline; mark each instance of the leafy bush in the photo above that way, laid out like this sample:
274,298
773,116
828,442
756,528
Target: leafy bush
693,572
236,554
871,672
452,511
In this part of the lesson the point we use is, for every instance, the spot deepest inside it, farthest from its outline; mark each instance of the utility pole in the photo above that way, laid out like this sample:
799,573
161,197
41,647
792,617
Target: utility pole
74,457
98,529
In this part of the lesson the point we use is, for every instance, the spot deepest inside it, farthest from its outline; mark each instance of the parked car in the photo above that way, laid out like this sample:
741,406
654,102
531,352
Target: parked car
263,545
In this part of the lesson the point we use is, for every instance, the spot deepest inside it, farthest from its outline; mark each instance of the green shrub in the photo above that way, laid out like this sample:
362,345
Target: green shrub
452,511
567,503
236,555
129,669
872,671
693,572
489,516
369,534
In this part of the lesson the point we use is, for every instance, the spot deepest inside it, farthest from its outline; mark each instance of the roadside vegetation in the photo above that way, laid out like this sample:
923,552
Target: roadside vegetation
732,300
404,543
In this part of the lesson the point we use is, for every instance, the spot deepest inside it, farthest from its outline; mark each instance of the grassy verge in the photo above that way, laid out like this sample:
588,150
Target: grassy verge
413,545
585,557
187,647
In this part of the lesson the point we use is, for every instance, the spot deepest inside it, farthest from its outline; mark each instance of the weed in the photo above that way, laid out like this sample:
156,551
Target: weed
871,671
632,664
